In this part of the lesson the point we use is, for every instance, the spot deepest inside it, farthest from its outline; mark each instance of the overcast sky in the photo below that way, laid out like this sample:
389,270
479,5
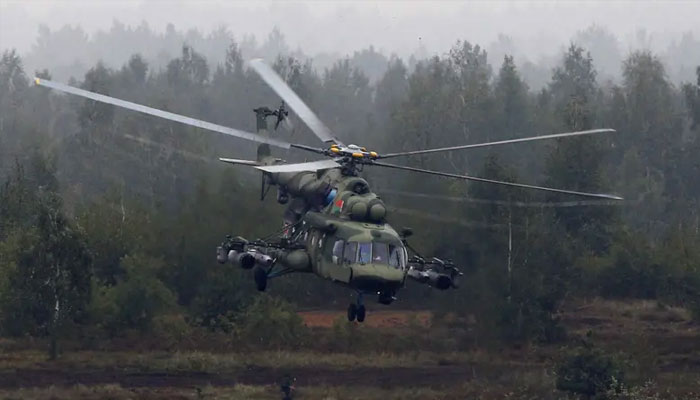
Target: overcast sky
394,27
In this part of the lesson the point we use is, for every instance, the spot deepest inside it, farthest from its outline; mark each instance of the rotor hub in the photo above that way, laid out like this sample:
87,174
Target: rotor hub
352,151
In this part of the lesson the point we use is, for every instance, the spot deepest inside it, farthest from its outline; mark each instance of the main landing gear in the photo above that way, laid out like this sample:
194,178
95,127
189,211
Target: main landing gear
357,311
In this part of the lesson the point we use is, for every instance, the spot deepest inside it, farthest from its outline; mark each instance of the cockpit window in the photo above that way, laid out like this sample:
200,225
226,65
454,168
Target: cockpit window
380,253
350,252
364,256
338,251
374,252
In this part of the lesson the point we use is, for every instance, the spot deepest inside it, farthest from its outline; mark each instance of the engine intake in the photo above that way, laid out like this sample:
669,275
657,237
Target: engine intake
243,260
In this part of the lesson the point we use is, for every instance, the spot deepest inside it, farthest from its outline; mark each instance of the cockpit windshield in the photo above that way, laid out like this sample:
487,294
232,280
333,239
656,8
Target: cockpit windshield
380,253
376,253
364,255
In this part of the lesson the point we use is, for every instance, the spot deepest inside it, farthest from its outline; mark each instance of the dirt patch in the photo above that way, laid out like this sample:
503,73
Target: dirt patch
431,376
375,319
22,378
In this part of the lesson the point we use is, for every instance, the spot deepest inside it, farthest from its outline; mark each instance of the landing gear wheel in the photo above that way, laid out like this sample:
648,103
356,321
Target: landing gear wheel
361,314
352,312
260,276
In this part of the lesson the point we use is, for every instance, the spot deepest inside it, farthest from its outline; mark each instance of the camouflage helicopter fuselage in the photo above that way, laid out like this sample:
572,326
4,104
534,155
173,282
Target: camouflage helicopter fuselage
336,228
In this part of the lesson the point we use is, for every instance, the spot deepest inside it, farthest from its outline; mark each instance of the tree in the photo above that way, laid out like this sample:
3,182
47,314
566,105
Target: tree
12,79
135,70
692,98
604,48
511,97
275,45
13,96
47,266
372,63
650,108
474,97
654,135
92,115
512,112
391,91
576,163
136,299
347,104
115,227
190,69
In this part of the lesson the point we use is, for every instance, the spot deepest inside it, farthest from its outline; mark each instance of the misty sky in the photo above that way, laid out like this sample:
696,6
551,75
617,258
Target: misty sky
538,28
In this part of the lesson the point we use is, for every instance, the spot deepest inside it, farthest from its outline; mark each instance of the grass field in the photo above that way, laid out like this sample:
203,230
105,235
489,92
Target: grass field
660,346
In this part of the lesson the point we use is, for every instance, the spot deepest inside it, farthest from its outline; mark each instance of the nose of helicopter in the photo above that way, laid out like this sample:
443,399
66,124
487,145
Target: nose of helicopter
376,277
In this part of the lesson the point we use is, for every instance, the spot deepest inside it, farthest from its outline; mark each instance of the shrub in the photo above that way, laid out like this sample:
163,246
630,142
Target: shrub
134,301
591,373
171,328
270,321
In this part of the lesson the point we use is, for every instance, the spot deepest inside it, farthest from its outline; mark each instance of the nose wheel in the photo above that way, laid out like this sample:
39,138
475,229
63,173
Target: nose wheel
357,311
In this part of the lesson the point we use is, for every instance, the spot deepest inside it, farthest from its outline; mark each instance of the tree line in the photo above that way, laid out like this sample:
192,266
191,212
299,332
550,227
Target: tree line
109,219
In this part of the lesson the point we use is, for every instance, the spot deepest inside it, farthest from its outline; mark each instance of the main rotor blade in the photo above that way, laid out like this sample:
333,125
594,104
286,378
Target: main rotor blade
299,167
308,148
160,113
237,161
292,100
520,185
508,203
500,142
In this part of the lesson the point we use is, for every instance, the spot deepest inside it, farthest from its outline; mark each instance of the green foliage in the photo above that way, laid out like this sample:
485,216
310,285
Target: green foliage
93,114
271,322
634,268
148,196
115,227
628,270
345,336
692,99
221,297
591,373
171,329
44,259
190,69
577,163
136,299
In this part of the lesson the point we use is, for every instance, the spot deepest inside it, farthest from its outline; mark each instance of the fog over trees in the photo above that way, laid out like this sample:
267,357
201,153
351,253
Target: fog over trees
70,36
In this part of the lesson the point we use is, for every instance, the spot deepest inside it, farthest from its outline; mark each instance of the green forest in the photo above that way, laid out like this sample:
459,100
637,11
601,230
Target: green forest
109,219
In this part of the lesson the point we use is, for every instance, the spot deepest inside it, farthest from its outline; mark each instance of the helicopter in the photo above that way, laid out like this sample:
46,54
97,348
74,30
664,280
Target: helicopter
334,225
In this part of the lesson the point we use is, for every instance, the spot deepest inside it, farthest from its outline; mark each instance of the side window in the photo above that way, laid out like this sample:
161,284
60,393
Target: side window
338,251
395,256
350,252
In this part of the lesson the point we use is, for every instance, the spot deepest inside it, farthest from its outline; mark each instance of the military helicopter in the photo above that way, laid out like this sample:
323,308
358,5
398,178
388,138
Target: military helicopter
334,225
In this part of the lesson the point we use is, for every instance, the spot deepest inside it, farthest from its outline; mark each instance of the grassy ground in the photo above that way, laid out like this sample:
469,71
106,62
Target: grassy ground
657,344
